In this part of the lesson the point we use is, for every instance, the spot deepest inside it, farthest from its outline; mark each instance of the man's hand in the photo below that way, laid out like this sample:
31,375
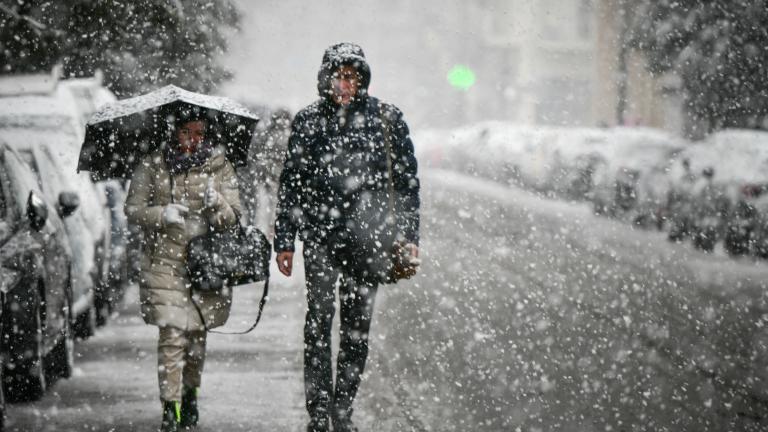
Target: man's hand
412,249
410,255
285,262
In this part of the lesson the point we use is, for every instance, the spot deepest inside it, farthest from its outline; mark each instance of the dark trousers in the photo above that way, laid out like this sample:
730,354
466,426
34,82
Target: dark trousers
356,312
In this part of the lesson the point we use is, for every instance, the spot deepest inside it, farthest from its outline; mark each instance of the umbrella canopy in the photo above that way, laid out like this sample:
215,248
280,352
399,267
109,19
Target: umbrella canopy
120,134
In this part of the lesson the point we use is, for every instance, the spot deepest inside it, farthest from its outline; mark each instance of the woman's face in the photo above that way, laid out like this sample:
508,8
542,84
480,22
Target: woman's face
190,135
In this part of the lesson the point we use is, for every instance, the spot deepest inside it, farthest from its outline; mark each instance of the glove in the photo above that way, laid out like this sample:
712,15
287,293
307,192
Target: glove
211,199
174,214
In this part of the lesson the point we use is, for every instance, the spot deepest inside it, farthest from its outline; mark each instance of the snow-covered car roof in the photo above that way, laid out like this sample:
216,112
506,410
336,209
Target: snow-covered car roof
53,111
56,119
25,84
89,95
737,156
65,157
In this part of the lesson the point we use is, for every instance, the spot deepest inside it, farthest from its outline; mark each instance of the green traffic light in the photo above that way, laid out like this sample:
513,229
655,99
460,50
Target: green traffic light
461,77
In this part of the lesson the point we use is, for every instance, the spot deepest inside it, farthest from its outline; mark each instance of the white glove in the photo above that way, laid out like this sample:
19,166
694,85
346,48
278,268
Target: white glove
211,199
174,214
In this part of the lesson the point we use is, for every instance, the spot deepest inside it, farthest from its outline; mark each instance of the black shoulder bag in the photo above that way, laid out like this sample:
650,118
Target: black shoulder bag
235,256
232,257
377,256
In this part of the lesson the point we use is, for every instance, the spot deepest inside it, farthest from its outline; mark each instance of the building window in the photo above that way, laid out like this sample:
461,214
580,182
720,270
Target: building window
566,20
499,19
552,23
585,19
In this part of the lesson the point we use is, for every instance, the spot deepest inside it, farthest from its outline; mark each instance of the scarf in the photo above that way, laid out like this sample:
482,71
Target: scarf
179,162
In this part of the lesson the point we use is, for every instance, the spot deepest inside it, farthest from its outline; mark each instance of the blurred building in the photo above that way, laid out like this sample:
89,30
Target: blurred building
542,53
553,62
568,62
625,91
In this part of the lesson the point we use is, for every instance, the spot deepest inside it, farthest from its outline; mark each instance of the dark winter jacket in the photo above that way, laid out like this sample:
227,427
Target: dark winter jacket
337,160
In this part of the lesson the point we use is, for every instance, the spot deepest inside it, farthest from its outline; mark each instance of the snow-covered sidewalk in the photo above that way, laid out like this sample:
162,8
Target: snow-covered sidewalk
251,382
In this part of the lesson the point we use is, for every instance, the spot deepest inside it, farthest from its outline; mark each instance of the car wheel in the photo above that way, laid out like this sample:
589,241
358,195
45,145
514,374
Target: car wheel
2,394
705,240
61,359
2,405
85,323
24,374
101,306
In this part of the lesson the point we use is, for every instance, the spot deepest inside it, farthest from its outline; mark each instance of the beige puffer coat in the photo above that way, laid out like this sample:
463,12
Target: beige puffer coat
164,286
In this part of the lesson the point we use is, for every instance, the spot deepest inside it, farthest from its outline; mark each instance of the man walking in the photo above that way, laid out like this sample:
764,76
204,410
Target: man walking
343,149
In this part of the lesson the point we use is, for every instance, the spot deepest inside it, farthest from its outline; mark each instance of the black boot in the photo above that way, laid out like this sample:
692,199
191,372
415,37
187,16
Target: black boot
189,412
318,423
170,417
343,424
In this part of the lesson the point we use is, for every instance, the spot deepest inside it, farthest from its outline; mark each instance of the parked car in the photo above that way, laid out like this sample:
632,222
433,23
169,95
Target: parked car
742,225
45,113
36,343
51,181
728,174
89,95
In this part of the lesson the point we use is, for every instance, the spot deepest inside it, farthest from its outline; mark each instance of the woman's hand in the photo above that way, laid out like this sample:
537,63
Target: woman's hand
211,199
174,215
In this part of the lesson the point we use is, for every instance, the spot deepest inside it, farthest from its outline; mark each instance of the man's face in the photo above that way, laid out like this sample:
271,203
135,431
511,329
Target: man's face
345,82
190,135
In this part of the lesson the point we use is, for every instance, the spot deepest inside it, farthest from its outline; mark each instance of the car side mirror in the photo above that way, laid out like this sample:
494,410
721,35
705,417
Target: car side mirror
37,211
68,203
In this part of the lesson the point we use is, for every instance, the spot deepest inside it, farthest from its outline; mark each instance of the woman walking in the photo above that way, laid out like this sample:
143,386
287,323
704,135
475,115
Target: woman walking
177,193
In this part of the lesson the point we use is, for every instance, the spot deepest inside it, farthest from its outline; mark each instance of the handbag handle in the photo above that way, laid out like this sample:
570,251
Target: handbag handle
262,302
391,181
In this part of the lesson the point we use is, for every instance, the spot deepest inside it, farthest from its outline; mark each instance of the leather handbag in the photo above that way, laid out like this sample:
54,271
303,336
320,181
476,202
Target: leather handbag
235,256
226,258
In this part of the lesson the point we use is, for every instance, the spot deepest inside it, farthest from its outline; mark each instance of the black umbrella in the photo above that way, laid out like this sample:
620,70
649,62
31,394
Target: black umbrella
120,134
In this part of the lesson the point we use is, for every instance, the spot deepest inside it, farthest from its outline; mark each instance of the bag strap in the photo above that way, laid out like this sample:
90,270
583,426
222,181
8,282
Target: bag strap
262,302
172,182
264,293
387,126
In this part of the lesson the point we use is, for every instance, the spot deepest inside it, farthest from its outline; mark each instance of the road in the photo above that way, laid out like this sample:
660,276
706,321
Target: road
528,314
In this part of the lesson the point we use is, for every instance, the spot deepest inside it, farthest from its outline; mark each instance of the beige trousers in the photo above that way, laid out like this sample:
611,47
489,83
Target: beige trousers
180,359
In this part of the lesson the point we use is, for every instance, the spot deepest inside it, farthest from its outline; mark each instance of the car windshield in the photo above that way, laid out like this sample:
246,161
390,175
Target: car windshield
29,158
20,177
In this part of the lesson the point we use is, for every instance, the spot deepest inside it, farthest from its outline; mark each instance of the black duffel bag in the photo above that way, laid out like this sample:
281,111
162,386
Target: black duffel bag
226,258
371,258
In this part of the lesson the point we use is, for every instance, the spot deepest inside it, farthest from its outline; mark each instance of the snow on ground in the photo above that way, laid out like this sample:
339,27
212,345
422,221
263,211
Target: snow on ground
251,382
